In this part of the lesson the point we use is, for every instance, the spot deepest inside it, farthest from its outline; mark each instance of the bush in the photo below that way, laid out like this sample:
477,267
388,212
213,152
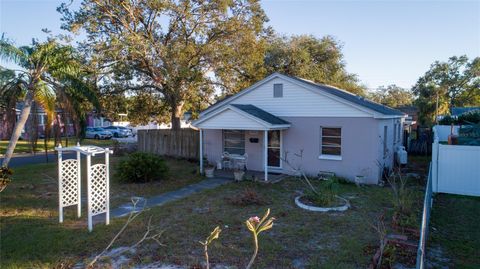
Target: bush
469,117
326,193
447,120
142,167
466,118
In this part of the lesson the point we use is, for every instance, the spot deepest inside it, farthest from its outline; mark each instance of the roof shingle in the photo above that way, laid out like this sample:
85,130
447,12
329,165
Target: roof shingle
261,114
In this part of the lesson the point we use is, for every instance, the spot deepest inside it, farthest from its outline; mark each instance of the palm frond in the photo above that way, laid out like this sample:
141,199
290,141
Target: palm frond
10,53
45,97
81,88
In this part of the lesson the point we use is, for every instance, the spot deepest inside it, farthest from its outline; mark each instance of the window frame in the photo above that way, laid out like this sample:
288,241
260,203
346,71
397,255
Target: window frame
330,156
385,140
275,95
399,134
224,148
395,133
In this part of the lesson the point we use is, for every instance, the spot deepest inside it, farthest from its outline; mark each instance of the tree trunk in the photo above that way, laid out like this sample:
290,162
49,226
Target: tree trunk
8,121
20,124
177,113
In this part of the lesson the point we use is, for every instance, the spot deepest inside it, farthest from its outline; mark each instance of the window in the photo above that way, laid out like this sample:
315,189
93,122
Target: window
399,135
394,133
385,133
234,141
277,90
331,141
42,119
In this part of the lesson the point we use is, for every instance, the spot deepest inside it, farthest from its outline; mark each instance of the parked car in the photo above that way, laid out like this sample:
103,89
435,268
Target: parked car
97,133
119,131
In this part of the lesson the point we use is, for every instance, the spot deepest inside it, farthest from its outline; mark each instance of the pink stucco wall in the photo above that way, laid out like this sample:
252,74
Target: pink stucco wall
360,142
362,148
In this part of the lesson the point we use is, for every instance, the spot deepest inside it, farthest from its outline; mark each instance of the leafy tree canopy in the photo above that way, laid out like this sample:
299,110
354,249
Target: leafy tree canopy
179,49
316,59
392,96
456,82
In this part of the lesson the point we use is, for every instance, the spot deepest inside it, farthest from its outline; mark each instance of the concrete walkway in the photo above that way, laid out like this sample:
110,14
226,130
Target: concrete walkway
161,199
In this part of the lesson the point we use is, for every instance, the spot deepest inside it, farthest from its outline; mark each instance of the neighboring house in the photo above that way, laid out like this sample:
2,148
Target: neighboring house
457,111
93,120
412,115
337,131
36,114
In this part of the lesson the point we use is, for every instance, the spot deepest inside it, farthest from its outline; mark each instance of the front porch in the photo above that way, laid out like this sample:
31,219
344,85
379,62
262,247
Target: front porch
246,133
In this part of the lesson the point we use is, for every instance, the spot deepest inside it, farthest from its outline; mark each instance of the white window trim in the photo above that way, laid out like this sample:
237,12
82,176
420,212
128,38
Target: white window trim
328,156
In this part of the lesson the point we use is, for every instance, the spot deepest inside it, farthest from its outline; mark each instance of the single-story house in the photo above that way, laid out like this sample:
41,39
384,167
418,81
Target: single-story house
281,116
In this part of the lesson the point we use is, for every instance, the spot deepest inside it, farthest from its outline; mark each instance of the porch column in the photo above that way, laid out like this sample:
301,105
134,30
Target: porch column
201,151
265,154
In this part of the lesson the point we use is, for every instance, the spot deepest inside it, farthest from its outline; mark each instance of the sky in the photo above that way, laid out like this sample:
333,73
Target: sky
384,42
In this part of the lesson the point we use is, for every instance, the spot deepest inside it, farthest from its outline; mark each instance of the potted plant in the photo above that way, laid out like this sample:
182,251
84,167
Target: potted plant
238,174
5,174
209,170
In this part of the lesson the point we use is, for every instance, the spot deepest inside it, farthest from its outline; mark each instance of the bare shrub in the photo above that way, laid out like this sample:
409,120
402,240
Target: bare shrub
246,198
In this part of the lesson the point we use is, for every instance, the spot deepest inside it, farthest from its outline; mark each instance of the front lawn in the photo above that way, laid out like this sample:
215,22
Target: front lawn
32,237
454,229
24,146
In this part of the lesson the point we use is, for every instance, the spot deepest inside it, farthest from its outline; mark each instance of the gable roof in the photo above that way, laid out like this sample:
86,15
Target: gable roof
353,98
457,111
241,117
329,90
261,114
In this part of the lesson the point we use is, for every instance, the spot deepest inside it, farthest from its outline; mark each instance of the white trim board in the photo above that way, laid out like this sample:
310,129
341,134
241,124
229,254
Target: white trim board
249,122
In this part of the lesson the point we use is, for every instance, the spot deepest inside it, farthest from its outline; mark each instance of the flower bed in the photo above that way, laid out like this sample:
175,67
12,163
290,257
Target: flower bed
304,203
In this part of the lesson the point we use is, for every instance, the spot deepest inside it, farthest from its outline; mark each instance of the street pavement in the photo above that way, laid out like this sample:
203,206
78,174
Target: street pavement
24,159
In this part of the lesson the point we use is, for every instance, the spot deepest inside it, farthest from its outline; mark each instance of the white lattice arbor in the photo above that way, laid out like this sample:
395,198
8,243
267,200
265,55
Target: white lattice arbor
98,182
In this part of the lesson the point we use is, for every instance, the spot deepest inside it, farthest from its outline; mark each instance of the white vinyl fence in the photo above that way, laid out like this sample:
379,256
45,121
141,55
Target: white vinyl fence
455,169
443,131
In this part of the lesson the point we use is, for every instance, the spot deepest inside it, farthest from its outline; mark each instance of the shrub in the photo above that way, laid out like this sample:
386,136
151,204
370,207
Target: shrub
402,199
142,167
470,117
326,194
5,177
447,120
466,118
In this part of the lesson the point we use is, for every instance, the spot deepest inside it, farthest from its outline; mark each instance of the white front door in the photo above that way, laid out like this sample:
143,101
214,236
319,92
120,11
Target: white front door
274,149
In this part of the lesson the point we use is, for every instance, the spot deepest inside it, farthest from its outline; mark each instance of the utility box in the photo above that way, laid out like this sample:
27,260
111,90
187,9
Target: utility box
402,156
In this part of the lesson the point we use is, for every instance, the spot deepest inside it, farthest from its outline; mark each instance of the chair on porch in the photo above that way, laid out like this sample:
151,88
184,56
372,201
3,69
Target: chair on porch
226,160
242,162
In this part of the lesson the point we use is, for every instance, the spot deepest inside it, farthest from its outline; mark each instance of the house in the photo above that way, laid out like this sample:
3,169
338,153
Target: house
280,116
455,112
37,119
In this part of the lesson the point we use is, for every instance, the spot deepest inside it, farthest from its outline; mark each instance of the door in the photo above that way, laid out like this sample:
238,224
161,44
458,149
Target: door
274,148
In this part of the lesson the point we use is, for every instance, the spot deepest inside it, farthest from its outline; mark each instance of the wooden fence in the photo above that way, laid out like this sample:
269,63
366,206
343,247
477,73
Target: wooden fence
183,143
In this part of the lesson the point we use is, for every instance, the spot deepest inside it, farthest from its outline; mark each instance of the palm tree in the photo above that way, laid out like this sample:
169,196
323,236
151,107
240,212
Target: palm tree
50,72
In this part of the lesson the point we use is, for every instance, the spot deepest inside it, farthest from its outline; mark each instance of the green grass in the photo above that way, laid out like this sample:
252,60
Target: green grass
32,236
25,147
454,228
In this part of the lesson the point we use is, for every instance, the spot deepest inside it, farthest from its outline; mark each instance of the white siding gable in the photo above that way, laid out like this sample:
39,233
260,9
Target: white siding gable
298,101
229,119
